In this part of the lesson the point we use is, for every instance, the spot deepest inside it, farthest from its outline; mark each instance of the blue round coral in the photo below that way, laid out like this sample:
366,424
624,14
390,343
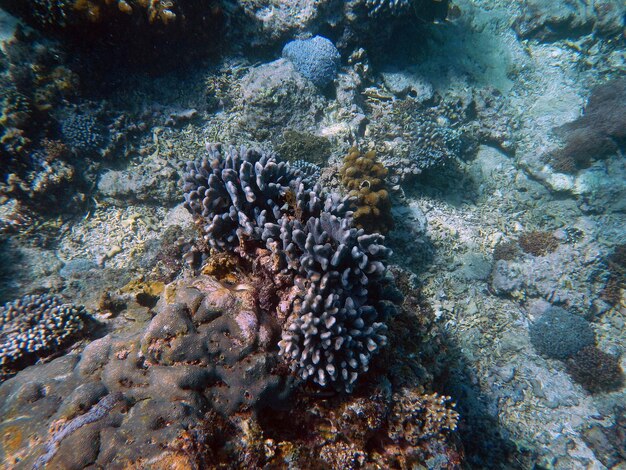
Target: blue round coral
317,59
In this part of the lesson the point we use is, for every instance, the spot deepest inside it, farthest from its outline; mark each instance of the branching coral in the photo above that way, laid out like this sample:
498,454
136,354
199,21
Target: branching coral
244,200
364,176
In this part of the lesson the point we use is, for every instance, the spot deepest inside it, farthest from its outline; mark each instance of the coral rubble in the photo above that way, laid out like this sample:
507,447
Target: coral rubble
364,177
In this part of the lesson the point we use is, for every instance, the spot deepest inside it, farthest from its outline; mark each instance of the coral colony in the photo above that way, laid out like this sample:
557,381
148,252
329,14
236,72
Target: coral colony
243,197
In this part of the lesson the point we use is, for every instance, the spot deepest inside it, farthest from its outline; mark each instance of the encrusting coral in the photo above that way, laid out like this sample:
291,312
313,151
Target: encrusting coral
333,319
364,176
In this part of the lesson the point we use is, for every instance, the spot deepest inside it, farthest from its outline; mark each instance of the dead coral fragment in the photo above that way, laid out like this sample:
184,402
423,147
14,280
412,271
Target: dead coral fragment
538,243
364,176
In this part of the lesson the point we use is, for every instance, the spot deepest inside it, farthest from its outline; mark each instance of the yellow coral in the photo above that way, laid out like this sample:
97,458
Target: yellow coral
364,176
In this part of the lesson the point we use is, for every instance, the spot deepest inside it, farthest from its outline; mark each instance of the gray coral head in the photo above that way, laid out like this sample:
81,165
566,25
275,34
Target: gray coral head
317,59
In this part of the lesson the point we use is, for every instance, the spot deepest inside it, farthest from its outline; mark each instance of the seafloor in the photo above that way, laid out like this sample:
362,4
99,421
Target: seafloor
502,129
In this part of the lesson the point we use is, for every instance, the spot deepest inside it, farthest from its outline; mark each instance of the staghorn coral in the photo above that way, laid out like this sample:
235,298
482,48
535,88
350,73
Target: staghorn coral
364,177
332,326
36,326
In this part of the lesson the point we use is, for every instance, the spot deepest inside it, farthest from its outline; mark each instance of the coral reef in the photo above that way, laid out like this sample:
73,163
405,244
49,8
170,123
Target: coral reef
597,134
317,59
35,326
201,379
559,334
332,326
538,243
595,370
34,82
364,177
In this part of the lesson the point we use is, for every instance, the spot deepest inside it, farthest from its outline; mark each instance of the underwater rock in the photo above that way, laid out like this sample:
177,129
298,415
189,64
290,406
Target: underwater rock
274,97
403,82
304,146
149,181
317,59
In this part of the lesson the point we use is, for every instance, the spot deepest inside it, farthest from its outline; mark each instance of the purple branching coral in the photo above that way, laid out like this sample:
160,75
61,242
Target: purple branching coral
335,322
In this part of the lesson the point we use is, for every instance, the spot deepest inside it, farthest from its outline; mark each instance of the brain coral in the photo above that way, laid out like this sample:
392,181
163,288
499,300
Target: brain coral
559,334
332,325
316,59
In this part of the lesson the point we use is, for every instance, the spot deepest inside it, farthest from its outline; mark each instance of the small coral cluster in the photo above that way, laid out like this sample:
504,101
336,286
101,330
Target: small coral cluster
33,82
244,200
82,132
429,137
364,177
616,284
35,326
538,243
